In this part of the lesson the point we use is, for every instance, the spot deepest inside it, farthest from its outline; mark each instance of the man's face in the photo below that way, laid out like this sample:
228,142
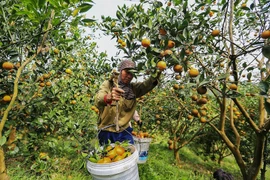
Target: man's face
126,76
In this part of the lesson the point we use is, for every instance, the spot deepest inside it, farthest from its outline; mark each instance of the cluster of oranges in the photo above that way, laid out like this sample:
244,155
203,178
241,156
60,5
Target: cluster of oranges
94,108
7,66
111,153
140,134
43,80
170,144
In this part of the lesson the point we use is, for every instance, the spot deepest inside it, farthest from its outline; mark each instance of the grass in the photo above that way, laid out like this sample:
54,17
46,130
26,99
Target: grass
160,165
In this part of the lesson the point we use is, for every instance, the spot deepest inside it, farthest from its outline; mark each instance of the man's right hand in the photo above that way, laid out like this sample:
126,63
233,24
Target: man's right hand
117,93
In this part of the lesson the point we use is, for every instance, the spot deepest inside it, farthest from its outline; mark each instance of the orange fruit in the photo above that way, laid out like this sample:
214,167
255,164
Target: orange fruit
109,147
56,51
104,160
215,32
265,34
162,53
167,52
202,101
123,44
233,86
118,158
203,113
146,134
41,84
203,120
195,112
141,134
201,90
178,68
175,86
189,116
188,52
134,133
193,72
119,41
46,76
111,154
119,150
194,97
7,98
162,31
171,44
170,141
146,42
48,83
7,65
73,102
244,5
68,71
161,65
177,77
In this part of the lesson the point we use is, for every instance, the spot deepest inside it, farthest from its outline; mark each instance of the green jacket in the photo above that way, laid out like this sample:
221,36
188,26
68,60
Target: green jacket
126,108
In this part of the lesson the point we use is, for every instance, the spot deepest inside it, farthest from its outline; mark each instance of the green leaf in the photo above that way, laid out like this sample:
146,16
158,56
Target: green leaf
267,106
3,140
85,7
249,76
153,63
264,87
88,20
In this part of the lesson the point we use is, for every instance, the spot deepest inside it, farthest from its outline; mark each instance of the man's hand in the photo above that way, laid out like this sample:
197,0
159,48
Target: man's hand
116,93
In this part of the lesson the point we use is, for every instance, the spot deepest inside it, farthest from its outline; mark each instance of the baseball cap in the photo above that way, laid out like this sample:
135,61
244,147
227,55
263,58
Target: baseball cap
127,64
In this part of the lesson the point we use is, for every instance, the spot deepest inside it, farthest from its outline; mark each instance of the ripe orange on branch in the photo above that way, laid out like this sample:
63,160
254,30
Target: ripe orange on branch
146,42
233,86
215,32
211,13
171,44
7,98
265,34
178,68
161,65
202,90
167,52
7,65
193,72
162,31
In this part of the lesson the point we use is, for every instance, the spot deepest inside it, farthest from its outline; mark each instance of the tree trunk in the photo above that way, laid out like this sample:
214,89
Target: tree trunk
258,156
177,156
3,170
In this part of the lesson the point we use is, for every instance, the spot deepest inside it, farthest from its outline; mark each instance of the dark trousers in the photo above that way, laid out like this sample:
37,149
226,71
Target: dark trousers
105,136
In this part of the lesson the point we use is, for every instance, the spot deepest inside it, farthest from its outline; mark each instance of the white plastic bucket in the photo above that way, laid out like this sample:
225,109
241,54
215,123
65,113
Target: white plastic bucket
142,146
126,169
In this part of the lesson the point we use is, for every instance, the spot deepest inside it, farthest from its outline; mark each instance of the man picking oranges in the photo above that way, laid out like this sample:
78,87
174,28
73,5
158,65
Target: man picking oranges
117,103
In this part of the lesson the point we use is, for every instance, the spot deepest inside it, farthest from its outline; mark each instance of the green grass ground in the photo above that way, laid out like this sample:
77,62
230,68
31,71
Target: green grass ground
160,165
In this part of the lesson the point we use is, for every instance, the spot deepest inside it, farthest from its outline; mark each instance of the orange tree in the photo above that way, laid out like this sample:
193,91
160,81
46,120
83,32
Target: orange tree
219,44
48,76
169,113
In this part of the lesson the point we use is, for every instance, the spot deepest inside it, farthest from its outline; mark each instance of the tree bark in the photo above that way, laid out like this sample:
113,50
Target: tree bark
3,170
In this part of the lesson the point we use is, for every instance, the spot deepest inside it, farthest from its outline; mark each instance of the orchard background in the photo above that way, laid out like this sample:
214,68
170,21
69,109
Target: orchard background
212,98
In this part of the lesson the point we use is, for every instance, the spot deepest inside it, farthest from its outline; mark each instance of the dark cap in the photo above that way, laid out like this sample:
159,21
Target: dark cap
126,64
